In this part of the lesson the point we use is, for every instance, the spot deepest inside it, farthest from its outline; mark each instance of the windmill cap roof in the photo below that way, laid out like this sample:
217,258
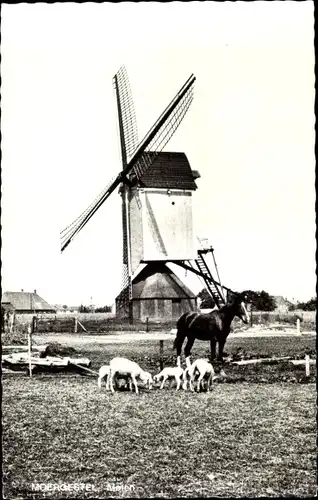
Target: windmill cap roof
170,170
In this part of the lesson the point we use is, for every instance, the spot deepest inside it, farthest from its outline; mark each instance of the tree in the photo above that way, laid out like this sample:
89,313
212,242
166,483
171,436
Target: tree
104,309
83,309
311,305
261,301
207,301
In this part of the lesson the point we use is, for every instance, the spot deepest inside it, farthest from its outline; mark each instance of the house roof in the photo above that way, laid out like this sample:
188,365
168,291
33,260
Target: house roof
281,301
25,301
170,171
158,281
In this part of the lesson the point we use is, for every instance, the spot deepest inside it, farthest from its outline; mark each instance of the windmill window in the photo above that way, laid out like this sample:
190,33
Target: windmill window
176,301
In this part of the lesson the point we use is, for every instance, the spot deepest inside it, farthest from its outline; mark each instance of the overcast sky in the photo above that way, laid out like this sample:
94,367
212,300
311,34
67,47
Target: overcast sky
249,132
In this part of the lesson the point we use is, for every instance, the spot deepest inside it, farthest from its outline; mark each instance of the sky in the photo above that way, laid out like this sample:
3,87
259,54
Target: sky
249,132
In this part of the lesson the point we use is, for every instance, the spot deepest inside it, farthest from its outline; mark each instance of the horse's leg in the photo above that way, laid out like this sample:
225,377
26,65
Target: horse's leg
181,335
213,349
187,350
221,347
220,356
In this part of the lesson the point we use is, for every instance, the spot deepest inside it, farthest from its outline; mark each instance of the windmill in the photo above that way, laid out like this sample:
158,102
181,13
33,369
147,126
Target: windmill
156,189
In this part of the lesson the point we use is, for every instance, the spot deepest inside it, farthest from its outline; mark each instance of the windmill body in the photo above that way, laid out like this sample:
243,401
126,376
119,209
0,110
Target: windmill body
158,228
160,212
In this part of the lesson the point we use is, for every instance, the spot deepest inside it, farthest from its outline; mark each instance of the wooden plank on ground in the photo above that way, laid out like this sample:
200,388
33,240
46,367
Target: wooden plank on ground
260,360
302,361
37,348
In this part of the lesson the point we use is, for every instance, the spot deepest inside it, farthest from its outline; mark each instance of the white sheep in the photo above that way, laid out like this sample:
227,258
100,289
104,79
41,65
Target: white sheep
123,366
148,380
103,375
204,369
169,372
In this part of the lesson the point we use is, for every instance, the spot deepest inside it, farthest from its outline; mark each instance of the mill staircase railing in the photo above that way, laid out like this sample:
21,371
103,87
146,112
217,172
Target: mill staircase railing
213,288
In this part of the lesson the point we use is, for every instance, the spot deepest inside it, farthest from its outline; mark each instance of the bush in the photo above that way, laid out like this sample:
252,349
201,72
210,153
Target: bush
19,336
56,349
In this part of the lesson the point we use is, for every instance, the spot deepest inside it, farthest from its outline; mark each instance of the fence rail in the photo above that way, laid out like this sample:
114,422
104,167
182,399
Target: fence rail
107,322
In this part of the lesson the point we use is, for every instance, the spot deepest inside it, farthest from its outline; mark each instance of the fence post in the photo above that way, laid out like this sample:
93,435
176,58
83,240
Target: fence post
161,354
298,325
147,324
12,321
30,348
34,324
307,365
251,315
75,324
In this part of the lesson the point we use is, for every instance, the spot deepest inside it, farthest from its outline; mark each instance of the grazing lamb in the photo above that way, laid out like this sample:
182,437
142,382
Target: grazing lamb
103,375
123,366
205,371
170,372
148,380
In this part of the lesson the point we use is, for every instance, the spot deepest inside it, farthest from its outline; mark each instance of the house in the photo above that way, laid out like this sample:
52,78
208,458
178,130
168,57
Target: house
282,305
25,303
64,309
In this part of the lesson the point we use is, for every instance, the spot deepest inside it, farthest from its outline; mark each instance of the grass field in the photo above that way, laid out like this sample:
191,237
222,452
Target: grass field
252,440
244,439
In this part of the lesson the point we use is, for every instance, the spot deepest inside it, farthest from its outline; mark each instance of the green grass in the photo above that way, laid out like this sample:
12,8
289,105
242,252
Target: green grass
247,440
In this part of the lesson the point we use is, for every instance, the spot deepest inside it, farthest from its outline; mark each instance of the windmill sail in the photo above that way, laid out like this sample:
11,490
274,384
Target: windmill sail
127,117
72,229
129,142
143,156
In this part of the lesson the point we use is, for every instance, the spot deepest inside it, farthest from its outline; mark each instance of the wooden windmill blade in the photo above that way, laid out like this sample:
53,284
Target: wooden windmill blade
143,156
164,128
129,142
126,115
74,228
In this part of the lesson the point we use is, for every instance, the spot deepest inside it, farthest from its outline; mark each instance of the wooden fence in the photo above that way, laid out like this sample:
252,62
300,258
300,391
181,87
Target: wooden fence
107,322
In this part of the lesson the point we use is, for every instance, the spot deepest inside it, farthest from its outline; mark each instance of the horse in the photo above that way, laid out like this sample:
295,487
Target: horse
213,326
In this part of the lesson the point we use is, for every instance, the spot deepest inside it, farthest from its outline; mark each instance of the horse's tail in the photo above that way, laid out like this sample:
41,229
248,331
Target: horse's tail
181,332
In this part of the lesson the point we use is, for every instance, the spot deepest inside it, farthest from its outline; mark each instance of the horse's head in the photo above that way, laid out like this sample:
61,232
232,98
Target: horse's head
238,301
